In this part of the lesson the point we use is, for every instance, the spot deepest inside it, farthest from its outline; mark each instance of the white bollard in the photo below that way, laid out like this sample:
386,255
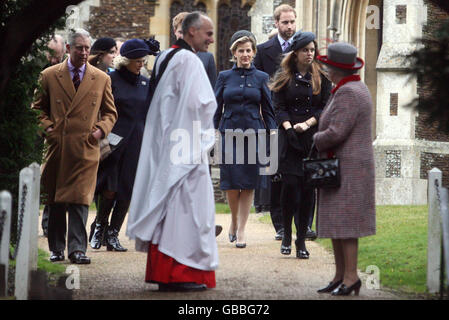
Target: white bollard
434,233
5,206
444,193
34,217
22,281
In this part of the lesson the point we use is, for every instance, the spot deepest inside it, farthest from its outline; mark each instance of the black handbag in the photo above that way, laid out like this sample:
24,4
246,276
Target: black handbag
321,173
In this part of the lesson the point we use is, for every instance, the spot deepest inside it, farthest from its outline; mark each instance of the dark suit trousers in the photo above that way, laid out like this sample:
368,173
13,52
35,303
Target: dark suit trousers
57,230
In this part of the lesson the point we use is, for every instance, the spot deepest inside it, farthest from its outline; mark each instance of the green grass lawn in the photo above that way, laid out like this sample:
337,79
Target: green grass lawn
43,263
224,208
399,248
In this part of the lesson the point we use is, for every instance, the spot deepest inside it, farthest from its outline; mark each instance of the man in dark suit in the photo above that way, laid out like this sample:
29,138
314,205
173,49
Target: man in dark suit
268,59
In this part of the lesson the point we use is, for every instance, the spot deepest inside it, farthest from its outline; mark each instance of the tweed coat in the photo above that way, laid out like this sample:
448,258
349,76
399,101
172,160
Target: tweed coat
71,162
345,129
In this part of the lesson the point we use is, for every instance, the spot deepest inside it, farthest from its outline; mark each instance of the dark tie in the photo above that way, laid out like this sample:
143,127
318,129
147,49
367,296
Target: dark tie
285,46
76,79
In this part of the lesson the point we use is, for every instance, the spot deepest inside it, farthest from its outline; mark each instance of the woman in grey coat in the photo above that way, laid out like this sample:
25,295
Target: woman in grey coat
348,212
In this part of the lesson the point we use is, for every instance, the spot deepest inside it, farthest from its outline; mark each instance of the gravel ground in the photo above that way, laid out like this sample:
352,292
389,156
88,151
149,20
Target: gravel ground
258,272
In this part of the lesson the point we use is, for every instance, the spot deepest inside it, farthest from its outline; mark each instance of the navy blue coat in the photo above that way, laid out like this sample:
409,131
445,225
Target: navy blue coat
117,172
244,102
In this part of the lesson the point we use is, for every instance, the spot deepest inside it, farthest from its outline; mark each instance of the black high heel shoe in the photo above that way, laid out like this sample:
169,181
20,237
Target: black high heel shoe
302,254
330,287
343,290
286,249
232,237
286,245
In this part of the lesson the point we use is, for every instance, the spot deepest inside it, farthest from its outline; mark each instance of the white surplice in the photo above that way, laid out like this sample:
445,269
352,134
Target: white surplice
172,204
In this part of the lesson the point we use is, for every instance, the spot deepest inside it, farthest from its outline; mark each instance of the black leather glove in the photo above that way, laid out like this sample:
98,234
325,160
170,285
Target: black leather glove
293,140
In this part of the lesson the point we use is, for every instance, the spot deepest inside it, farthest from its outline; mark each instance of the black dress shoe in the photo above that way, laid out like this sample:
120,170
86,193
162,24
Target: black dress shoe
79,257
279,234
343,290
181,287
57,256
302,254
310,234
330,287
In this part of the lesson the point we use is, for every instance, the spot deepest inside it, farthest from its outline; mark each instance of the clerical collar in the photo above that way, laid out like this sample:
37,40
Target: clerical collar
180,43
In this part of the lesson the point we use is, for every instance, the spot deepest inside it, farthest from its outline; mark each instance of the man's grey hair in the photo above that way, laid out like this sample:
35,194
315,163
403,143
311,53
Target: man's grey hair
193,19
75,33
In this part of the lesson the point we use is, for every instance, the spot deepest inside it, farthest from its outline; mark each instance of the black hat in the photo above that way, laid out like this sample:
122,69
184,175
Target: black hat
134,48
301,39
240,34
103,44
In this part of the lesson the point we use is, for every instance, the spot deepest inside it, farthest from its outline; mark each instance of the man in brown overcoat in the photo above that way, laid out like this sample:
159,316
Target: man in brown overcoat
77,110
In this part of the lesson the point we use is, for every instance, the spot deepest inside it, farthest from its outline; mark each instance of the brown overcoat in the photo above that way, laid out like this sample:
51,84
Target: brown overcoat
345,128
70,170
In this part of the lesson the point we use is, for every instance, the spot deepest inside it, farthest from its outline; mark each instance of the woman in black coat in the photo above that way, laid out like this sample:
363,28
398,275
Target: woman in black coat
300,94
116,173
244,102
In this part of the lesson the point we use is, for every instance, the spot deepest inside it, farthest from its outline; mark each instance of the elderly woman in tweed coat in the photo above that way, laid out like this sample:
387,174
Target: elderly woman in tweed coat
348,212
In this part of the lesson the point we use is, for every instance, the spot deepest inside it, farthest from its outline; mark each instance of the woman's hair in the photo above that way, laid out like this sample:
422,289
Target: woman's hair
120,62
96,60
241,41
287,70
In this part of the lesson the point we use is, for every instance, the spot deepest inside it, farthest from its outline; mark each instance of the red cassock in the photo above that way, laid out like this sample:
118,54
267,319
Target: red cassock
164,269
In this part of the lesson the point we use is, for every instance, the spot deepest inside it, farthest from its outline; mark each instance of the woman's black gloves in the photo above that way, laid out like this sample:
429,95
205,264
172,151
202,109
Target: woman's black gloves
293,140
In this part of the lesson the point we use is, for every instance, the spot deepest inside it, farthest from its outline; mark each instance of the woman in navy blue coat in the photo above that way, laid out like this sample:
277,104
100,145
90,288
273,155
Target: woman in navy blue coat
115,178
244,102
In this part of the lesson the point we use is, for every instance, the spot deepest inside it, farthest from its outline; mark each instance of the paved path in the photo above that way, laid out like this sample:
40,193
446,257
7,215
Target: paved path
257,272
